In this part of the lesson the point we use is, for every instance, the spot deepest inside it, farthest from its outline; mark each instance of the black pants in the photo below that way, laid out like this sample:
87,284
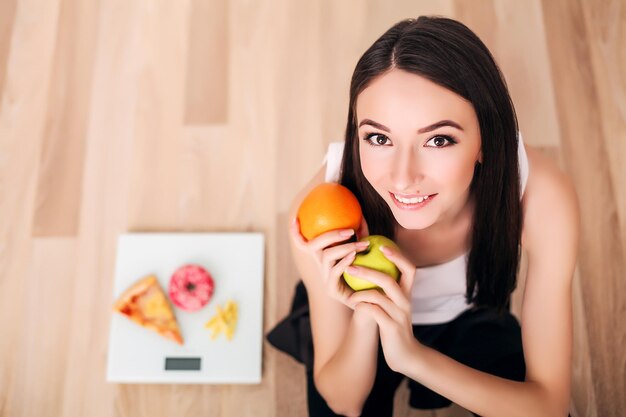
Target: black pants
478,338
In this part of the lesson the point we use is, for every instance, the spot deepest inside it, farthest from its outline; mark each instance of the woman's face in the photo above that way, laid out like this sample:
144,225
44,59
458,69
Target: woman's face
417,139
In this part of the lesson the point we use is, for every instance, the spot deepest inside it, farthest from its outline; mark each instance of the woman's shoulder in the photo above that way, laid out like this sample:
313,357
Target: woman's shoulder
549,192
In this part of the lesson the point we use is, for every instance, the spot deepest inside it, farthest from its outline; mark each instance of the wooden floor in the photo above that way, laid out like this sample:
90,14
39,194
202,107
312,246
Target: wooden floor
191,115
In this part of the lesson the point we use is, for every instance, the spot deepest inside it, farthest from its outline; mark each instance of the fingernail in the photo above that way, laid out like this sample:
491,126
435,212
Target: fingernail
346,232
362,245
352,270
385,250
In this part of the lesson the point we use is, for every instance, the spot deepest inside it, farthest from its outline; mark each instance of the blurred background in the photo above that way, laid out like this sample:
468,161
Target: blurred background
209,115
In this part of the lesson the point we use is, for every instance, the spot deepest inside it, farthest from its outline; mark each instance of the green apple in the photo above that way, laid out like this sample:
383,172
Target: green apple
373,258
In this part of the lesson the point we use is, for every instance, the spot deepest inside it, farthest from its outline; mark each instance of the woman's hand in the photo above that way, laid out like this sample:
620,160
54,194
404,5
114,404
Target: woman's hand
391,310
329,255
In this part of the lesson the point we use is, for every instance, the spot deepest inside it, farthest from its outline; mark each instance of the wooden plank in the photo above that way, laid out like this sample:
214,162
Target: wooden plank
104,209
586,147
61,161
583,400
155,179
22,118
7,18
606,31
290,383
41,362
207,63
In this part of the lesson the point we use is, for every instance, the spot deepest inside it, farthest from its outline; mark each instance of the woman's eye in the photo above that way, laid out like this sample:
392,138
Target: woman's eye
440,141
376,139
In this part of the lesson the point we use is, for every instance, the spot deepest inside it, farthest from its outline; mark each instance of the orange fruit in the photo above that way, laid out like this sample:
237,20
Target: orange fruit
329,206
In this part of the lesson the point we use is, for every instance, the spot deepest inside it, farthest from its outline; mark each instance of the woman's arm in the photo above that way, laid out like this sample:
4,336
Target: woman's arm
551,223
345,345
347,365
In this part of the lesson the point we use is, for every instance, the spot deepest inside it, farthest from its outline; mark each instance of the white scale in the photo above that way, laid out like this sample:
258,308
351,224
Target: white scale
236,263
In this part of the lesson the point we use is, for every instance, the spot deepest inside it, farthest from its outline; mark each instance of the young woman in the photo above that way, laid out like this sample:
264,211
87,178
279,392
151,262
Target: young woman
433,153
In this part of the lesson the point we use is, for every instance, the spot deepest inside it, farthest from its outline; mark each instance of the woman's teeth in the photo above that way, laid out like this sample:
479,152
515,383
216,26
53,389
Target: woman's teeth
413,200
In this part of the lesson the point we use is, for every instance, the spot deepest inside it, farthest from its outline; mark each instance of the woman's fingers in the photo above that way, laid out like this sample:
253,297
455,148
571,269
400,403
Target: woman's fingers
331,255
294,230
320,242
406,267
335,280
331,238
376,297
376,312
384,281
337,270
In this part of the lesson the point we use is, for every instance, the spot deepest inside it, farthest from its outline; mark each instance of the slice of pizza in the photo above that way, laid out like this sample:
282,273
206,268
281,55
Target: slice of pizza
145,303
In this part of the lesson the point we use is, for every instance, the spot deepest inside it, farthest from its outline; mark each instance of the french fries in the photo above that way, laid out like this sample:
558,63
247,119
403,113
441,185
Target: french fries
224,321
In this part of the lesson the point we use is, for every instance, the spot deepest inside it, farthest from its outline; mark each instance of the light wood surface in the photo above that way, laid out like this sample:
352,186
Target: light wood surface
198,115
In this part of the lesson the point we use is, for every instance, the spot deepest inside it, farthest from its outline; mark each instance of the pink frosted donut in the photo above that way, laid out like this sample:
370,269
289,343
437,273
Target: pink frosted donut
191,287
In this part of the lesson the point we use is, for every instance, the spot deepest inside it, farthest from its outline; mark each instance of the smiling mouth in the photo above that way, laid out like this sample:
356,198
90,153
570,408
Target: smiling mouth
412,200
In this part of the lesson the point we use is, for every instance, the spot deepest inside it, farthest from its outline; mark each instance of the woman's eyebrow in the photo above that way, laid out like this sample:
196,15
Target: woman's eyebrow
426,129
439,124
375,124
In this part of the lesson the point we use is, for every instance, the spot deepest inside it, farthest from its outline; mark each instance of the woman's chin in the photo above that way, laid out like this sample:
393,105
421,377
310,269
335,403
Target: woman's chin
413,222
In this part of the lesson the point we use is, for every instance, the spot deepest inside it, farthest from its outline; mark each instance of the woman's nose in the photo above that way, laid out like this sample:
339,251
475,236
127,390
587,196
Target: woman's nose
406,172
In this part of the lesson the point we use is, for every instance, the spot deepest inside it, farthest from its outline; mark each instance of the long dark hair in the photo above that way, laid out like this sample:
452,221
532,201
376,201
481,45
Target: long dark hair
448,53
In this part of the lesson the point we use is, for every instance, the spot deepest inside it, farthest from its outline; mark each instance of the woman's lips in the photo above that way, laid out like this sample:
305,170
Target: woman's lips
412,206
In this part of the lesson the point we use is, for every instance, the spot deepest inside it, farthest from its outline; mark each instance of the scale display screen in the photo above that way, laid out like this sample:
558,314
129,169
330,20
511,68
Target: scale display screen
183,364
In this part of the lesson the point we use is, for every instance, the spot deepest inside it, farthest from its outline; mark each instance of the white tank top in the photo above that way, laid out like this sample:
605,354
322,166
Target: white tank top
438,293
